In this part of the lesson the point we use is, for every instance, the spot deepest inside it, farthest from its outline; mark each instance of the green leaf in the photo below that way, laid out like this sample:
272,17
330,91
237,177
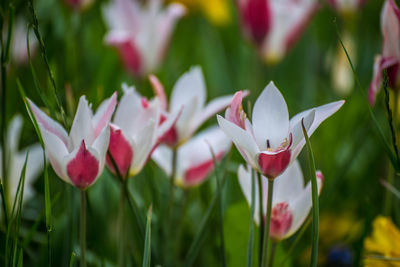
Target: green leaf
315,203
147,242
71,261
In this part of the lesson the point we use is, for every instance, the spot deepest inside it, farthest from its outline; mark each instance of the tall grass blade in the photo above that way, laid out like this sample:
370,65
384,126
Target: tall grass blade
147,242
252,209
71,261
315,203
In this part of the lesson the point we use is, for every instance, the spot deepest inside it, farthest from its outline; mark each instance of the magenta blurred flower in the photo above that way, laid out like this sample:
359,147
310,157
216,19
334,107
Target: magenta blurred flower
16,160
135,131
189,97
291,201
78,158
390,57
346,6
272,142
140,33
194,158
275,25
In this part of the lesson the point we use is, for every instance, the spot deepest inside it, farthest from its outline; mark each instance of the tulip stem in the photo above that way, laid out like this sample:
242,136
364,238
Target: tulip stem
272,255
261,215
122,224
267,222
83,228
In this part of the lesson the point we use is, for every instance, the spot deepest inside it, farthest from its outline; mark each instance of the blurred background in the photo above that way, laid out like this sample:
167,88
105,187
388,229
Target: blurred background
313,72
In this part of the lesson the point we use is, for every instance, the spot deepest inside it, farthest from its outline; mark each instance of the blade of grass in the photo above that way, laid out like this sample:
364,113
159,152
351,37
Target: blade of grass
20,258
391,188
46,176
35,26
71,261
220,207
201,233
315,203
251,230
382,258
5,49
147,242
388,150
39,91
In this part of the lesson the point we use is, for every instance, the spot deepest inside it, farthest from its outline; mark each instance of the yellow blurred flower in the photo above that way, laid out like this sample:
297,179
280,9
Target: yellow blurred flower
217,11
384,241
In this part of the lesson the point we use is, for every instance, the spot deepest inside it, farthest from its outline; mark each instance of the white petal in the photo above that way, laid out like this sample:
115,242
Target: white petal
56,151
295,125
101,146
301,206
47,123
197,150
186,118
82,128
270,118
212,108
144,142
321,113
104,113
163,157
289,184
242,140
190,85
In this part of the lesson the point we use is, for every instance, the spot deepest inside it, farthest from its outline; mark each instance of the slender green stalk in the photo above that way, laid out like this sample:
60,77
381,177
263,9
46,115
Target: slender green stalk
147,242
5,49
272,254
83,228
267,223
315,202
252,209
261,216
172,184
121,250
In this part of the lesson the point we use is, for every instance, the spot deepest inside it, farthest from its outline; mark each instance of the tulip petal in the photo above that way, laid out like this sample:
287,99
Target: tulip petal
321,113
83,167
242,139
270,118
103,114
100,145
296,128
212,108
159,91
273,164
289,184
47,123
82,128
143,144
301,205
56,150
121,151
190,85
13,134
162,155
197,174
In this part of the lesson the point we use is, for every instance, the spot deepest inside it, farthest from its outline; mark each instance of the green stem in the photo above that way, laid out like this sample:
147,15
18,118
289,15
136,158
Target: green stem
83,228
122,225
251,230
272,255
172,184
267,222
261,216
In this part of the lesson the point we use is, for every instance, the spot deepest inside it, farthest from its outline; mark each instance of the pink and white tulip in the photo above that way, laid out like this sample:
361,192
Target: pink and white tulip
16,160
141,33
291,200
390,57
135,131
188,96
194,158
275,25
272,141
78,158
